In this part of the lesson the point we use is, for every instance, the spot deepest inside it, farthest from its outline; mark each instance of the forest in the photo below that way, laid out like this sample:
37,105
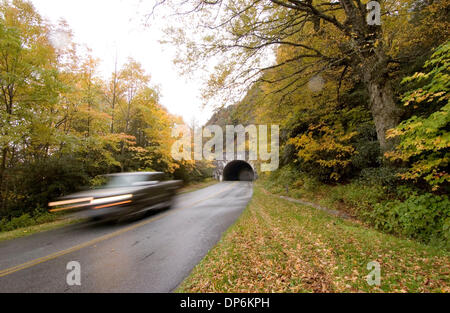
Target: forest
62,125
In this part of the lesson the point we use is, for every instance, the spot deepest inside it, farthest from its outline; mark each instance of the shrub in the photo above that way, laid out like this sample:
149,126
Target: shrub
288,176
325,151
97,181
45,218
40,216
35,184
424,138
381,176
358,196
24,220
424,217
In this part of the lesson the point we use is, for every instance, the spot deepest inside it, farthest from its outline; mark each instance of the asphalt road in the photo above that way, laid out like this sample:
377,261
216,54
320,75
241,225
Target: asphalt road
153,254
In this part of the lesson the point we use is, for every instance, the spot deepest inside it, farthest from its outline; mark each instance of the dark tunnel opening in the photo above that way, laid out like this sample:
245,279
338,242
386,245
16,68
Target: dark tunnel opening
238,171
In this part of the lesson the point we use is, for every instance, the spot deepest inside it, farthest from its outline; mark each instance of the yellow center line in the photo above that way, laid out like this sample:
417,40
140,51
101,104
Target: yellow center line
92,242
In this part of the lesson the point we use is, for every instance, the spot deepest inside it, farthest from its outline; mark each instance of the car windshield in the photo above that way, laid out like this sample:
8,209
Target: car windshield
126,180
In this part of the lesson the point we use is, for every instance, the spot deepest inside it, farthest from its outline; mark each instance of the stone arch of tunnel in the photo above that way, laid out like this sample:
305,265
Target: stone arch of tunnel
238,171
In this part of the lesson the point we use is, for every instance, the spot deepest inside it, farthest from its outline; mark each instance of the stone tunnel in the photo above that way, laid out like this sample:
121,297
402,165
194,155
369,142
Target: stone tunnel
235,170
238,171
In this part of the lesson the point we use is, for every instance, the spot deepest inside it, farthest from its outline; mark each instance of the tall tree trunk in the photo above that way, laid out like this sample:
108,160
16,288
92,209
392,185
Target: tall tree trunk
2,176
371,61
385,113
373,65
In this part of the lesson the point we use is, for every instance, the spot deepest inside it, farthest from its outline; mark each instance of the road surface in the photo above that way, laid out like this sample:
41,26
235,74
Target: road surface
153,254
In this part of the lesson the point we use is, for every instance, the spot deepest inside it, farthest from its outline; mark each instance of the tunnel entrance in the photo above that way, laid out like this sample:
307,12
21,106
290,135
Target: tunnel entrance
238,171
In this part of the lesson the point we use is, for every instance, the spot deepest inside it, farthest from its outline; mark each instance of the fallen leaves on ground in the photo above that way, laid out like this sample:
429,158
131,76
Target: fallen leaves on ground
279,246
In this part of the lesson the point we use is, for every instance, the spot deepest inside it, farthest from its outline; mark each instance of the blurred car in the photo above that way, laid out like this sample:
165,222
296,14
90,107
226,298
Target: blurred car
121,195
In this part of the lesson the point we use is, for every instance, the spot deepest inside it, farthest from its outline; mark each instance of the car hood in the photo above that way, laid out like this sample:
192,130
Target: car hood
102,193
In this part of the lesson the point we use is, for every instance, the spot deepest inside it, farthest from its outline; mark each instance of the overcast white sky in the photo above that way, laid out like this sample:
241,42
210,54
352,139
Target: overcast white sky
109,25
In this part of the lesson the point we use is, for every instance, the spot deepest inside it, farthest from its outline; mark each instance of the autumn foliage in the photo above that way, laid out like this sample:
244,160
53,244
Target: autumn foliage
62,124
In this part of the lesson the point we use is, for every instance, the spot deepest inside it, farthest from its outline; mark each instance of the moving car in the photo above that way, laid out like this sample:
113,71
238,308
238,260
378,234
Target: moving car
121,195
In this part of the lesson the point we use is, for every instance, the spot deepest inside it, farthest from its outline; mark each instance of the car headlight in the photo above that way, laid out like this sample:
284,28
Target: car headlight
70,202
111,199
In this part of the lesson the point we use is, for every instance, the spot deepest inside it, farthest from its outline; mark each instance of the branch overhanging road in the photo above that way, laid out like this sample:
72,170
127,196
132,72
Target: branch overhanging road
153,254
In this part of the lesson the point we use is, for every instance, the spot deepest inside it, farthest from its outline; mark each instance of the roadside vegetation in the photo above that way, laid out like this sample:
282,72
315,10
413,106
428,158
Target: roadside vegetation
27,220
280,246
375,198
33,226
